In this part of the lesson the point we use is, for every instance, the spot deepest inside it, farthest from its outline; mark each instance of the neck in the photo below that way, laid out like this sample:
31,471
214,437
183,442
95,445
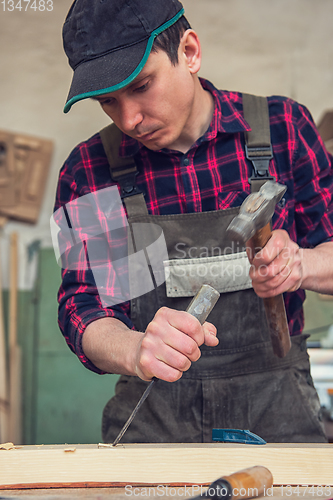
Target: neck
200,119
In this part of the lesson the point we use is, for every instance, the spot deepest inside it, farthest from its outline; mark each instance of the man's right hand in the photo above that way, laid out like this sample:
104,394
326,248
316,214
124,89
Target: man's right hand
171,343
165,350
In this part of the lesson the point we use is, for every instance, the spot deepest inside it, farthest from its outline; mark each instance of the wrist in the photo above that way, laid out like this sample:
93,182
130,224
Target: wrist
111,346
306,257
304,267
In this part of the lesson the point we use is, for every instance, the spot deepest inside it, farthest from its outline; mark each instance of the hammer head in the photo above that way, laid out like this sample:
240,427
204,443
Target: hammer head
255,212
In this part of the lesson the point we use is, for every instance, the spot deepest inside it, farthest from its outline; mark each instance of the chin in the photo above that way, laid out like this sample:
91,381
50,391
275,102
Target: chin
154,146
161,142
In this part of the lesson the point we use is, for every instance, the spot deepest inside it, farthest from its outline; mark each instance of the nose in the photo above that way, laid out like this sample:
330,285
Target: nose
130,115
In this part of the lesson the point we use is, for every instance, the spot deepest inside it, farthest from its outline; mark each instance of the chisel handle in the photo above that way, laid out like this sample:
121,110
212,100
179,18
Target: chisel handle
274,306
203,302
247,483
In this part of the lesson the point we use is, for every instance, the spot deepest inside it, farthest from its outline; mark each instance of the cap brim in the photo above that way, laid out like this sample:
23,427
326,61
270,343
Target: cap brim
113,71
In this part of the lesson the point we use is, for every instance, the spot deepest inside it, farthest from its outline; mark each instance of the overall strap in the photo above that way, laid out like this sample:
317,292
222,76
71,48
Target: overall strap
258,145
123,171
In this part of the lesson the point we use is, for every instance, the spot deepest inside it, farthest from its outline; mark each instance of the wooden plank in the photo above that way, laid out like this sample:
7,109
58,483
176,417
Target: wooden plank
24,166
157,464
15,405
4,404
178,493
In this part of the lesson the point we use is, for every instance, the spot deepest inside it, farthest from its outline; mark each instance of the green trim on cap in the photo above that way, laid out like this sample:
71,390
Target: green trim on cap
135,73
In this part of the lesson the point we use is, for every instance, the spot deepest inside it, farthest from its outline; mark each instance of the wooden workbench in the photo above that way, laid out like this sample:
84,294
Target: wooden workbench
120,494
90,471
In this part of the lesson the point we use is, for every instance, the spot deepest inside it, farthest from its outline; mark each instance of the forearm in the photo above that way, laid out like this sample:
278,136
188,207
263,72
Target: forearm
167,348
318,268
282,266
112,346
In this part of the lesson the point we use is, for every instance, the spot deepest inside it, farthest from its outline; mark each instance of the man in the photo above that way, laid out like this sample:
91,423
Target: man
140,59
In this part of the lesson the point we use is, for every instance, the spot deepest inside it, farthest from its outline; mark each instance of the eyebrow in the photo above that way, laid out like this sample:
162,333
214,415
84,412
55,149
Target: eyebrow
138,79
97,98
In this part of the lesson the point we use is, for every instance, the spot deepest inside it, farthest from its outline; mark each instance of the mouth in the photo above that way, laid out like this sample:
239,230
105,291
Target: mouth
145,137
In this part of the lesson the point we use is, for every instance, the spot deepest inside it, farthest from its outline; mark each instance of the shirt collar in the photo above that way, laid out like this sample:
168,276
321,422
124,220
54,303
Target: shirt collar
227,119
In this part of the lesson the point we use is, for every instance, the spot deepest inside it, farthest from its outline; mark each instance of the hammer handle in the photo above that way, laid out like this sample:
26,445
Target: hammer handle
274,306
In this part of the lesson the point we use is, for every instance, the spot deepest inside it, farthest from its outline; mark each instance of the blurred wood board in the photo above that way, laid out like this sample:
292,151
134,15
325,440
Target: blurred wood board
168,492
15,356
4,404
155,464
7,170
322,296
24,166
325,129
325,126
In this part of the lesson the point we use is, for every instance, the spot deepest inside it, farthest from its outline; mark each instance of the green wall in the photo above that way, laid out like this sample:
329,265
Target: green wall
62,400
318,313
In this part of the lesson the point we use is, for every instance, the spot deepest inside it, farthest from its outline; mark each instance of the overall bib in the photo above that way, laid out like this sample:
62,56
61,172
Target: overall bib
238,384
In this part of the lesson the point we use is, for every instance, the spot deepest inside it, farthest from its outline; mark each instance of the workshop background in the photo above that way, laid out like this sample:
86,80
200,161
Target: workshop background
256,46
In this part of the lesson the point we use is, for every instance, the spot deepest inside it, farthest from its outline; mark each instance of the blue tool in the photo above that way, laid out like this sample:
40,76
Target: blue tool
236,436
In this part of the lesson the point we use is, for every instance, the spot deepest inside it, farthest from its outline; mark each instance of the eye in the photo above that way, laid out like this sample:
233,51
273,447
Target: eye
107,101
142,88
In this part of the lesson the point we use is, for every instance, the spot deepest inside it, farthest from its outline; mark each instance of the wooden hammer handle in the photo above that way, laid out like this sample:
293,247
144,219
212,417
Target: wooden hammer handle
274,306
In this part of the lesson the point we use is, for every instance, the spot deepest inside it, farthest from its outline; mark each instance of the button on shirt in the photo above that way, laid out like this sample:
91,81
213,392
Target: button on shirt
212,175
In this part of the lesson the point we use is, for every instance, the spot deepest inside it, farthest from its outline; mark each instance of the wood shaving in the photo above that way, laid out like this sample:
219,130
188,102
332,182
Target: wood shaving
104,445
7,446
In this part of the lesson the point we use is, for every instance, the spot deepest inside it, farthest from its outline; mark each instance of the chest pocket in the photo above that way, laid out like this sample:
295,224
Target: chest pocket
225,273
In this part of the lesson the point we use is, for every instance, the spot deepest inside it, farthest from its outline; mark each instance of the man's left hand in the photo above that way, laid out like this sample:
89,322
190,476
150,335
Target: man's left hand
276,268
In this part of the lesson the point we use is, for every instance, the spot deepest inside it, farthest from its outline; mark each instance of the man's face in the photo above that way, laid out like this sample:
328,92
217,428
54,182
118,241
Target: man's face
157,107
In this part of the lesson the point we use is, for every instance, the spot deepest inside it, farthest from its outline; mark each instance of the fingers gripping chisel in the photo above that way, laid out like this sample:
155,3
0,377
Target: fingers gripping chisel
200,307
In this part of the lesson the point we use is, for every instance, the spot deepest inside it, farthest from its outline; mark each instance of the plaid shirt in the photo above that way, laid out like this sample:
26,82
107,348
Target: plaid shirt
212,175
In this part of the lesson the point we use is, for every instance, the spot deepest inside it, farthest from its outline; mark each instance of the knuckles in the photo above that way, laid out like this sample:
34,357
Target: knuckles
146,343
193,328
182,364
191,349
153,328
277,260
161,317
170,344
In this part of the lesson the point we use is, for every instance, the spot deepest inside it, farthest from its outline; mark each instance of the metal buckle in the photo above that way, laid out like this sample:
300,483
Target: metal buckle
260,158
128,185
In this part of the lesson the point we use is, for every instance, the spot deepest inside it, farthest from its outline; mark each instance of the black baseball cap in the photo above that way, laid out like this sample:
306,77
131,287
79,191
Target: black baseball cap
108,42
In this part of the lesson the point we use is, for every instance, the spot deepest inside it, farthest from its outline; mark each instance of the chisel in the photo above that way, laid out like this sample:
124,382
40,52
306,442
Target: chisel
247,483
200,307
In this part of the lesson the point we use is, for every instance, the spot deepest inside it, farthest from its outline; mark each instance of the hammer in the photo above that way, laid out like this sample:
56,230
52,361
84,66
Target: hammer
254,221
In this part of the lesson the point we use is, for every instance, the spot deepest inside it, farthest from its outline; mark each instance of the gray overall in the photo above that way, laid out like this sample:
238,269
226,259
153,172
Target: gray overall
238,384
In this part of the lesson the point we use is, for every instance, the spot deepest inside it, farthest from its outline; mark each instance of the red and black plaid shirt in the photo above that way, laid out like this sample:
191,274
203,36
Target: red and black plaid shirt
212,175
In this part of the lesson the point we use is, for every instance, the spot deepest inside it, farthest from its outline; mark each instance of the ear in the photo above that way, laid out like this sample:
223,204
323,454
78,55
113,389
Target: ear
190,49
